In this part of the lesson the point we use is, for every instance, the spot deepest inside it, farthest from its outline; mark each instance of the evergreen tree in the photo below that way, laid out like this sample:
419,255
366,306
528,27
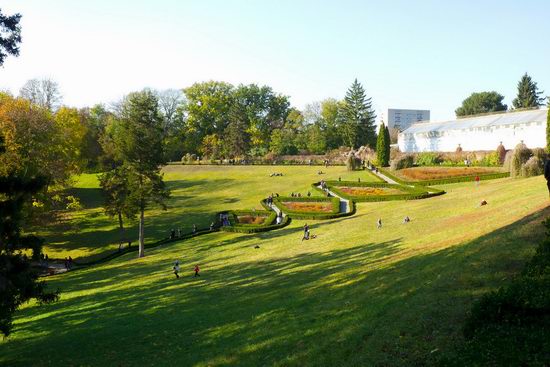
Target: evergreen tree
10,35
548,131
358,118
383,146
481,102
18,279
138,143
528,94
387,149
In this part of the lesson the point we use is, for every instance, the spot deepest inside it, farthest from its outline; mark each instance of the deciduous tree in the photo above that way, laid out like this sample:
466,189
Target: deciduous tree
481,102
137,140
42,92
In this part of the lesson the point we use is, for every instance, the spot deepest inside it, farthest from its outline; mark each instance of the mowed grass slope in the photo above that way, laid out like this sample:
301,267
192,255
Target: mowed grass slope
355,295
198,192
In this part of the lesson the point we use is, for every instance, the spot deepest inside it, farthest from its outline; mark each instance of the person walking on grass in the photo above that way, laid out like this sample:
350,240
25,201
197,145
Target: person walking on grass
176,269
197,270
547,174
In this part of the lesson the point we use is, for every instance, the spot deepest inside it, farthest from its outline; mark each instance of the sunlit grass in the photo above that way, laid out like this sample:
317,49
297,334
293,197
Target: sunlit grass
354,295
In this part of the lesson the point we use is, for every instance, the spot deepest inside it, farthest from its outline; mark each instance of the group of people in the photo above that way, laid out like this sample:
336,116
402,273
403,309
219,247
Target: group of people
175,233
44,260
277,174
68,263
176,269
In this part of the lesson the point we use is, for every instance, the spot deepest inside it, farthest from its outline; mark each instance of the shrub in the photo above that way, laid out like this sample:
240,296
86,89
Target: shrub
352,162
520,156
540,153
491,159
428,159
501,152
507,164
405,161
533,167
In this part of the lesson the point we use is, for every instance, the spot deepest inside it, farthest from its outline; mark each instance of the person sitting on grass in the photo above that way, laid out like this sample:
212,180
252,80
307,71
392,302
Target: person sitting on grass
197,270
176,269
406,219
483,202
379,223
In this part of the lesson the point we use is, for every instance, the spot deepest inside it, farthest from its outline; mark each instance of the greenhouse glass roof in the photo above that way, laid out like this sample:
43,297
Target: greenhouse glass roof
498,119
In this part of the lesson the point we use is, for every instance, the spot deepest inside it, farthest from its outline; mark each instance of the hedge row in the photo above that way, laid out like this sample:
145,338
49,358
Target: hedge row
312,215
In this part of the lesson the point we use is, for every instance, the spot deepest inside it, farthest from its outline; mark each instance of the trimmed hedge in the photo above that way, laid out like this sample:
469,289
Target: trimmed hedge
444,181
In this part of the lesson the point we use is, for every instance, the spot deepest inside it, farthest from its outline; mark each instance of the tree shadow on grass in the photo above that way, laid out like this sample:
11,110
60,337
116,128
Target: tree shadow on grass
354,306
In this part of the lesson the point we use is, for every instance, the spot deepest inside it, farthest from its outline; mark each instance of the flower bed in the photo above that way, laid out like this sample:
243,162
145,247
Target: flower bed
309,208
459,175
376,191
437,173
253,219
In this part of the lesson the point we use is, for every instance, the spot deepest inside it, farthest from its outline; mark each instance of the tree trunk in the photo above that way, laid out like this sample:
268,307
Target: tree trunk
141,233
121,226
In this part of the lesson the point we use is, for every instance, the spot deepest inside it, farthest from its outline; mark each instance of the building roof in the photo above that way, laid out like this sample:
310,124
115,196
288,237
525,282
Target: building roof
497,119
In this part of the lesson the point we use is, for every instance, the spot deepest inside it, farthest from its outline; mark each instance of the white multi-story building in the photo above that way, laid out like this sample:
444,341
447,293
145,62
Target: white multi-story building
402,119
477,133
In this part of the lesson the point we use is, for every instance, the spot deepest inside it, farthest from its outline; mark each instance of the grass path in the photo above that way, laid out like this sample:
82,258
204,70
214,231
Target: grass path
355,295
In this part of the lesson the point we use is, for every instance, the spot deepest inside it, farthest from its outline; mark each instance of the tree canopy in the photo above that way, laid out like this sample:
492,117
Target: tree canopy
481,102
10,35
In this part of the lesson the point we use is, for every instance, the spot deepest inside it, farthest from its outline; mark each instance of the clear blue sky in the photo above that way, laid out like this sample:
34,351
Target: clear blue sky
408,54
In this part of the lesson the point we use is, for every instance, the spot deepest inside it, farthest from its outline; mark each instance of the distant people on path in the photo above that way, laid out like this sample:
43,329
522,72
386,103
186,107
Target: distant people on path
197,270
212,226
279,218
172,234
176,269
547,174
379,223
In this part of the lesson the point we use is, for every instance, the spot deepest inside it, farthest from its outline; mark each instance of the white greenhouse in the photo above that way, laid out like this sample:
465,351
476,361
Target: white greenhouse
477,133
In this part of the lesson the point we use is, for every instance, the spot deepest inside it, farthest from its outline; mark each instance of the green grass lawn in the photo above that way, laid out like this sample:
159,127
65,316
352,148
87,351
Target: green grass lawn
198,192
353,296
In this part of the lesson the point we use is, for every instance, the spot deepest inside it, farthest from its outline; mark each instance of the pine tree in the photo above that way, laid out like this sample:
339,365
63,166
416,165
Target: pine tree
383,146
18,279
528,94
358,118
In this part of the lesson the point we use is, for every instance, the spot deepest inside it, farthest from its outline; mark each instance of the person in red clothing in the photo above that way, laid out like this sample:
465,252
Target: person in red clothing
477,180
197,269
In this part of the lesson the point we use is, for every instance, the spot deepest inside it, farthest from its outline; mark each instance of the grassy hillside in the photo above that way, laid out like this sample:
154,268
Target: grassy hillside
355,295
198,192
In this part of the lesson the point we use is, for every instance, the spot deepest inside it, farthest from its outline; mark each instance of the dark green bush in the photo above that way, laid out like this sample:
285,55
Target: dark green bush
428,159
402,162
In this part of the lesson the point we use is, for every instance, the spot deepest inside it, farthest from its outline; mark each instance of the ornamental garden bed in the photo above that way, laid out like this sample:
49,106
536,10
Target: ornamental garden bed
310,208
250,221
443,175
375,191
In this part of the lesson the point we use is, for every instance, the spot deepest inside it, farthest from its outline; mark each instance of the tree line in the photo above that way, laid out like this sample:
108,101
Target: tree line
528,96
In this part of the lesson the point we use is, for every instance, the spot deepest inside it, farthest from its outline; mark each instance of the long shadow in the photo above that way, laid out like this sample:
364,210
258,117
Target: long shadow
355,306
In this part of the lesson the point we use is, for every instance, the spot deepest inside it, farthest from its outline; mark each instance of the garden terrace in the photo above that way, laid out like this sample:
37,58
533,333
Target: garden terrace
366,191
443,175
252,221
309,207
